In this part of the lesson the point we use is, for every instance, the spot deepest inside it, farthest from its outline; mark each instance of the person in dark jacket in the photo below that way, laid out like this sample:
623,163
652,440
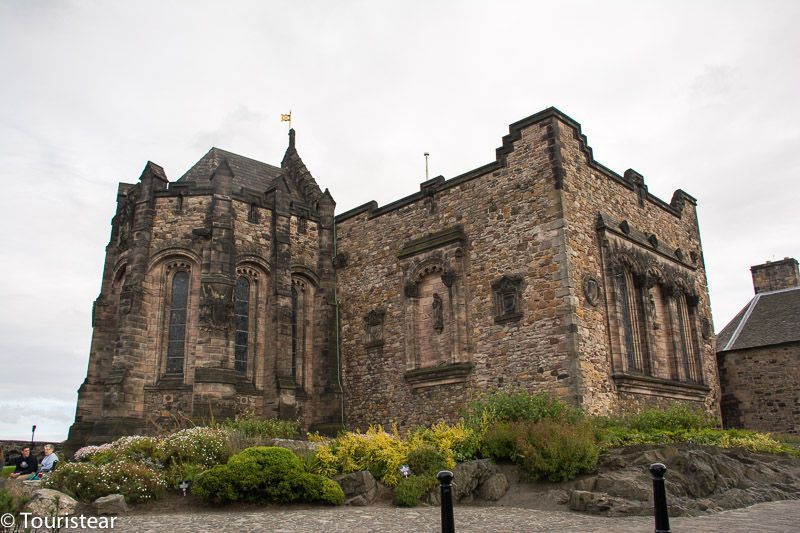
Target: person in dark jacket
25,464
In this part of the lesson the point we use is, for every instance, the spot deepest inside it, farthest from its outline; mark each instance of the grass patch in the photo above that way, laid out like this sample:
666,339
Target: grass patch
7,471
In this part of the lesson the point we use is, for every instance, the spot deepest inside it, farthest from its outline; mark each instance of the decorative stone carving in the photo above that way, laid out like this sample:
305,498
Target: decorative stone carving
507,293
591,290
438,313
705,328
625,227
373,324
340,260
125,220
216,307
448,278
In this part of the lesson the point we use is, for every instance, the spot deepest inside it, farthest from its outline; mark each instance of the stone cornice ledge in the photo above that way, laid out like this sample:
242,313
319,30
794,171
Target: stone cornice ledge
667,388
438,375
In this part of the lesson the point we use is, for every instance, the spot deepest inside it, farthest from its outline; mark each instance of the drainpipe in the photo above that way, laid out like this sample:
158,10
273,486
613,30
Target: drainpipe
336,306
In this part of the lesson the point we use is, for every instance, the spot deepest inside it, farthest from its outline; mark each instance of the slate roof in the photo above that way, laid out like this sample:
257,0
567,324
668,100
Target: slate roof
770,318
247,172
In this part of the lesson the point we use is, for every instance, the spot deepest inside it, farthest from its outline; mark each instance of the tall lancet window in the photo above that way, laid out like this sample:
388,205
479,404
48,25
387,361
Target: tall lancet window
295,340
241,311
176,344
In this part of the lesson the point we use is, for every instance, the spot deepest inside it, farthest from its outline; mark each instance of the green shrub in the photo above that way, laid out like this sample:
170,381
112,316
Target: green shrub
176,473
265,474
676,417
510,406
499,439
411,489
556,451
87,482
251,427
217,485
426,460
9,504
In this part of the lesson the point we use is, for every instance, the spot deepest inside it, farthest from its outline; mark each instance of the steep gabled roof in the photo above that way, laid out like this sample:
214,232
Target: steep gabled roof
770,318
247,172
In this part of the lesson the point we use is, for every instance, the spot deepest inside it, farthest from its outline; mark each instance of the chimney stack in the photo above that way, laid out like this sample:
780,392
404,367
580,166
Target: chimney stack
776,275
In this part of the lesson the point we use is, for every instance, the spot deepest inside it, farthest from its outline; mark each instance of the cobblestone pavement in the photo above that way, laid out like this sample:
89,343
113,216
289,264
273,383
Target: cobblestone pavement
765,517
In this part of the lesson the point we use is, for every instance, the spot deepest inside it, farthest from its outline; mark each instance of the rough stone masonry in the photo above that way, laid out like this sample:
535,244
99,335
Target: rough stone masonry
234,289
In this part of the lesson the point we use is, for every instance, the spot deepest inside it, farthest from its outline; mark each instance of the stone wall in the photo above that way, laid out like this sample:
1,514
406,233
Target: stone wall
475,229
589,191
538,221
762,388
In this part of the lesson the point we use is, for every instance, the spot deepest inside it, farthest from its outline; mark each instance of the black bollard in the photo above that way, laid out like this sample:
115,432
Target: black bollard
660,497
445,478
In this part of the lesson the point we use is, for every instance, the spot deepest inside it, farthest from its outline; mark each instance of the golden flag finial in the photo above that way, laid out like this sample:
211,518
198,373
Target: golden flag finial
287,117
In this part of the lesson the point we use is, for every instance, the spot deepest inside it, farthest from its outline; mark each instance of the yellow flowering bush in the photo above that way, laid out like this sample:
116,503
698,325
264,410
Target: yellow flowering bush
376,450
383,453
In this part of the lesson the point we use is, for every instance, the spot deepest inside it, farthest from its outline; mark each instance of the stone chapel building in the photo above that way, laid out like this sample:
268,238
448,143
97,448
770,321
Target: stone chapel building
235,288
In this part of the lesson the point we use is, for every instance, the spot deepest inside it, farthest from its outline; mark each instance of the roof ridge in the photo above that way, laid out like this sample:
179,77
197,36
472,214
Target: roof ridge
243,157
742,322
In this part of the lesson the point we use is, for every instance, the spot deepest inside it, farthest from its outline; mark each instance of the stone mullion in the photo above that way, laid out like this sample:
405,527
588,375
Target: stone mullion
691,339
646,348
685,336
451,295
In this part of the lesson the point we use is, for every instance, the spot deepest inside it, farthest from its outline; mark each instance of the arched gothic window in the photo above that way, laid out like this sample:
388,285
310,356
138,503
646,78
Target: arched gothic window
176,341
241,311
633,322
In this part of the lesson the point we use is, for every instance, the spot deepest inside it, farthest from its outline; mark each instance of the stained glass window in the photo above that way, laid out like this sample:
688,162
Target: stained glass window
176,344
241,312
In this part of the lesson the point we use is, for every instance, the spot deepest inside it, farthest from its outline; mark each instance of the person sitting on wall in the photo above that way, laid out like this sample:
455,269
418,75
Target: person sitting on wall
48,462
25,464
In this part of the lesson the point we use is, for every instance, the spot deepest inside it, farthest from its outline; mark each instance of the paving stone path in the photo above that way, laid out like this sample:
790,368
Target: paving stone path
769,517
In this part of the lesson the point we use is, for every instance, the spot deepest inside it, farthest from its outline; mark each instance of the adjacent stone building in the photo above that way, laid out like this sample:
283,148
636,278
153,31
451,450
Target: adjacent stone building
234,288
758,354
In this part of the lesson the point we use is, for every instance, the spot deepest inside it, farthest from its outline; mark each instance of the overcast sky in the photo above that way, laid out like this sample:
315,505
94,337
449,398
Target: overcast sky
703,96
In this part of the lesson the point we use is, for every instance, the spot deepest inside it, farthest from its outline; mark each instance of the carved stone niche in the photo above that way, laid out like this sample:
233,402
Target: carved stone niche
507,298
373,326
216,306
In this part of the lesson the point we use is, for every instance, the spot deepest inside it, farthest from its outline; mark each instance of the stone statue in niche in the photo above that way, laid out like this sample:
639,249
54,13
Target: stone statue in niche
651,309
438,313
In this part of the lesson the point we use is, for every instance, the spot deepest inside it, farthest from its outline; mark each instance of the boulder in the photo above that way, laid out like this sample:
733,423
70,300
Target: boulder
359,488
20,489
467,476
111,504
49,502
493,488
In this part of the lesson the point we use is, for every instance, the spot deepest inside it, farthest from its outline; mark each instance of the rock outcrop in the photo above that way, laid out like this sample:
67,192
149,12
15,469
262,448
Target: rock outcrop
699,478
